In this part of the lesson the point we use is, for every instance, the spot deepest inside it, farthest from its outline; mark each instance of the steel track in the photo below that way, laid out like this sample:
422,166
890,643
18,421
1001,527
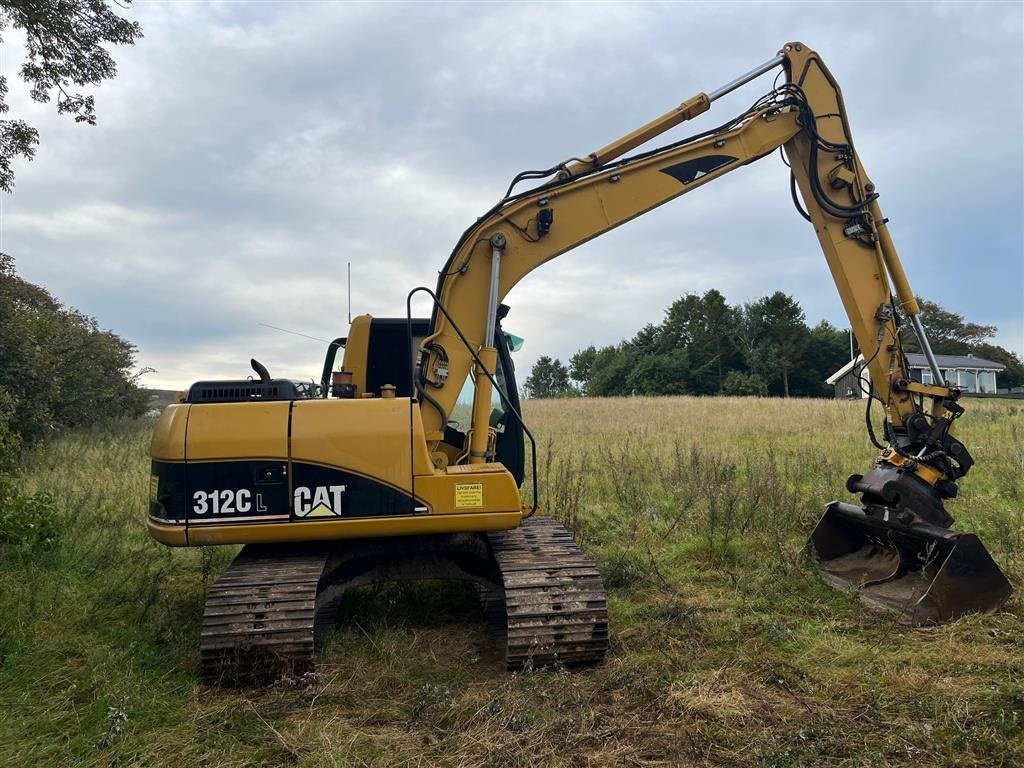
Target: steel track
554,600
542,598
259,616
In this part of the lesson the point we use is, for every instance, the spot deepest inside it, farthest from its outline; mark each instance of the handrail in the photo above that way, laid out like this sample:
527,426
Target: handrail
332,350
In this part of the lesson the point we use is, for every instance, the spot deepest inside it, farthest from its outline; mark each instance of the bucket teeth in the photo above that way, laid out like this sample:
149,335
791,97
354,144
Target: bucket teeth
927,573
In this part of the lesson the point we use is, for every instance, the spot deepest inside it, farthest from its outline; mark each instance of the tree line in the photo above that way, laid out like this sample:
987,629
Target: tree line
705,346
58,368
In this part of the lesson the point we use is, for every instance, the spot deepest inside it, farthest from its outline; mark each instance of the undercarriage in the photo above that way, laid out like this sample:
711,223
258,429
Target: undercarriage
542,598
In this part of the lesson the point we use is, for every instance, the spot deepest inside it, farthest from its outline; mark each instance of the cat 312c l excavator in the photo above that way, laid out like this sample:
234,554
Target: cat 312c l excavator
375,474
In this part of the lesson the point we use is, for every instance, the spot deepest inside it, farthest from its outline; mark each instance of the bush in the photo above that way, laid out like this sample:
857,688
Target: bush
739,383
26,520
10,441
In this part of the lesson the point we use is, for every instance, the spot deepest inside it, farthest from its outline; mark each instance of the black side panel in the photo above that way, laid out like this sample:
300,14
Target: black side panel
167,493
237,491
323,492
258,491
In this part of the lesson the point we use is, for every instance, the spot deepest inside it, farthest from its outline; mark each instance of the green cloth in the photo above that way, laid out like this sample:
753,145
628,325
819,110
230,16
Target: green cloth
515,343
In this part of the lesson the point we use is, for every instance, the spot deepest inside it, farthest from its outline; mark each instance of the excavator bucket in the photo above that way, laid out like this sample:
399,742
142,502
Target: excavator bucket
926,573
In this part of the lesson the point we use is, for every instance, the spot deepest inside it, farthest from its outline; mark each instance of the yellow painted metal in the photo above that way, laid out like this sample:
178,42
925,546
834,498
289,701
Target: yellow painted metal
370,437
929,474
357,347
480,435
929,390
237,431
446,492
391,440
171,535
892,261
866,276
168,441
381,439
688,110
321,530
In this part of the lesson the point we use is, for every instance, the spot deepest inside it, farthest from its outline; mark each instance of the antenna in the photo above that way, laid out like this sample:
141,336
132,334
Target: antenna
349,267
294,333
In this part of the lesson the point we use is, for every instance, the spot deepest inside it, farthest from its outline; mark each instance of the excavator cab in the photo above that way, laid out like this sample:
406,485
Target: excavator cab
377,354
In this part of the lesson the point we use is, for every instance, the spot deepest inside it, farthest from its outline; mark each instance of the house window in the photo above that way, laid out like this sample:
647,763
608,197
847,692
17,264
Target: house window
926,376
987,381
969,381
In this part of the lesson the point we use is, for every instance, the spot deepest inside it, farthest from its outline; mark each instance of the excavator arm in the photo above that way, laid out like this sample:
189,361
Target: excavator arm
582,198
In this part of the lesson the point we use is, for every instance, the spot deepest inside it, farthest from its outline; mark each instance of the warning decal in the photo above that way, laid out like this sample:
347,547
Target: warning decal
469,495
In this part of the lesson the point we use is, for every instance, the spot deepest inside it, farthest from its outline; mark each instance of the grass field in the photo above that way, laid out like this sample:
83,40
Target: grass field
726,649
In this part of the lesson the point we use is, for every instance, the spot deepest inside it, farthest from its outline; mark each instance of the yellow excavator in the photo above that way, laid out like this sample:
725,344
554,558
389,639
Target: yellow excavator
407,459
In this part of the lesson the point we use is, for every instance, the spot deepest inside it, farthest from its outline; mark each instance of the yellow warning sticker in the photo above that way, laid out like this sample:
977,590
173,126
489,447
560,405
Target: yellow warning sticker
469,495
154,485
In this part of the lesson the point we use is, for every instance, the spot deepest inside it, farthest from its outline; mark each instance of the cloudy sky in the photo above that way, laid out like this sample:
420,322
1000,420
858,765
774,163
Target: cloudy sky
247,151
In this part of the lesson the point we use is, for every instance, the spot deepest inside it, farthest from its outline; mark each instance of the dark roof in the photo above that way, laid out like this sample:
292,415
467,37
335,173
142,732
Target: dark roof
917,360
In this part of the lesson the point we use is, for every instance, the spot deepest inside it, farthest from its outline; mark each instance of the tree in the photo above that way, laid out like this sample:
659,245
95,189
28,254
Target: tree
776,336
10,441
948,332
608,372
664,374
581,364
549,378
828,350
65,42
705,327
648,341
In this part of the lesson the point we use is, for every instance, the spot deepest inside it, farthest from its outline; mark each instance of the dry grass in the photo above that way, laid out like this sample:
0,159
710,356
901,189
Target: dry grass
726,649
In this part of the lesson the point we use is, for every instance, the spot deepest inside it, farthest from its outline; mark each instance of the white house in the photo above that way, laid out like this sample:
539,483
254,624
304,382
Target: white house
969,373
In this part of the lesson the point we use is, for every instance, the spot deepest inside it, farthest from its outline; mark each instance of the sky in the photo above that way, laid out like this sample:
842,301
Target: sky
246,152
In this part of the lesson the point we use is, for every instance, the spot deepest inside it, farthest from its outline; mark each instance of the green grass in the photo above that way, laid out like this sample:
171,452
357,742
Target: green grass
726,648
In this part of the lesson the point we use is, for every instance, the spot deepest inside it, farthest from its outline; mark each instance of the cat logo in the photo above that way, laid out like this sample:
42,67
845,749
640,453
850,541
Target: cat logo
322,501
